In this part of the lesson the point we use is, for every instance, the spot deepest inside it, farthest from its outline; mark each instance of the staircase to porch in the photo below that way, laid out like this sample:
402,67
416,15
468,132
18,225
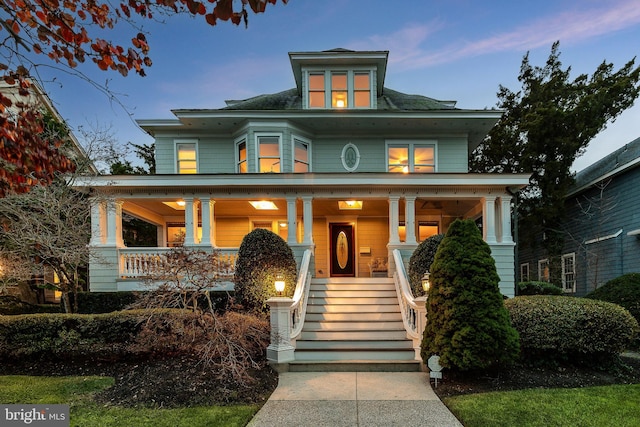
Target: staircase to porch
353,324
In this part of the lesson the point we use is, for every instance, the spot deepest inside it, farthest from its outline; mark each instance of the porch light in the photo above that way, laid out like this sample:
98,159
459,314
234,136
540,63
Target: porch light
350,204
264,205
180,203
279,284
426,284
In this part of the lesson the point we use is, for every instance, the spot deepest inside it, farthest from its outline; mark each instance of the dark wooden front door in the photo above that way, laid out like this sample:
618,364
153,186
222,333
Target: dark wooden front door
343,251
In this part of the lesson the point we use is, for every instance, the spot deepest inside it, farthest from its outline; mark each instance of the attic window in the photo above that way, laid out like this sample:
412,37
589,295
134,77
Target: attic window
339,89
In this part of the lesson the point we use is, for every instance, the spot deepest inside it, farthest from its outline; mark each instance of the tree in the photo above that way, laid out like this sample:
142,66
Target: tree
545,127
50,227
468,325
69,33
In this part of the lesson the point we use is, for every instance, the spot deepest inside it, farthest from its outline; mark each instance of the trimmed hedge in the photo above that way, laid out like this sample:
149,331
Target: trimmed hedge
538,288
623,290
562,328
108,302
420,262
63,336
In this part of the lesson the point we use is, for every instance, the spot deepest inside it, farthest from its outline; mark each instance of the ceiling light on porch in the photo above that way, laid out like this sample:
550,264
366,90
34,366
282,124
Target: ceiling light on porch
350,204
264,205
178,205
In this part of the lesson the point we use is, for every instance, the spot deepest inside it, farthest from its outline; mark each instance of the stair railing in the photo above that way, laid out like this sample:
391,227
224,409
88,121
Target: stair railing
300,296
413,309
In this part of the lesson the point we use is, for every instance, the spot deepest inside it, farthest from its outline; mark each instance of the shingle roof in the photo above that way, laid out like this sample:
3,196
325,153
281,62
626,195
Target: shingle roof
622,156
390,100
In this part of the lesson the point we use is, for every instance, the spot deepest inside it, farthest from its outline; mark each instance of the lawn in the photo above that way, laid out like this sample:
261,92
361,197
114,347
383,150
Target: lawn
77,392
615,405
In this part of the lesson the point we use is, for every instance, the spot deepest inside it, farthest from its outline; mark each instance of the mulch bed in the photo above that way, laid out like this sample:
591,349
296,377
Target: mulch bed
180,382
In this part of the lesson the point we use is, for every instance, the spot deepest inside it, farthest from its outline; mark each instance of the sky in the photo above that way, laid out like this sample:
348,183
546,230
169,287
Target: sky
459,50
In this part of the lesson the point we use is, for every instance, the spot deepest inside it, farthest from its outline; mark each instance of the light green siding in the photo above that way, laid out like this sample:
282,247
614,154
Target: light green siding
165,155
452,155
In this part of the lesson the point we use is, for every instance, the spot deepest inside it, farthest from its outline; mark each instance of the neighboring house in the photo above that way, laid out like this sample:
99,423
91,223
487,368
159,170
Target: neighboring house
340,164
38,98
602,229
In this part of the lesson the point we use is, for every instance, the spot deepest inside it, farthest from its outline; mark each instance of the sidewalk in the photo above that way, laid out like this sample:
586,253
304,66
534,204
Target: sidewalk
312,399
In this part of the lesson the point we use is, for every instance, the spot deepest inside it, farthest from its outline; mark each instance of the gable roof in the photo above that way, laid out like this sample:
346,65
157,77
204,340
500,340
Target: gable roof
291,100
620,160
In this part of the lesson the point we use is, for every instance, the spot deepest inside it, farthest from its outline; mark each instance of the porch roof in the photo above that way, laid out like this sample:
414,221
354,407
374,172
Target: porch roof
303,183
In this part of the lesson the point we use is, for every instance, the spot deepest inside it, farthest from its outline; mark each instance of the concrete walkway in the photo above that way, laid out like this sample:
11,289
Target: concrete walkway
353,399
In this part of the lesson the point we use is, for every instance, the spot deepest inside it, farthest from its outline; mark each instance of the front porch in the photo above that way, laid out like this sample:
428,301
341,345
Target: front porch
351,227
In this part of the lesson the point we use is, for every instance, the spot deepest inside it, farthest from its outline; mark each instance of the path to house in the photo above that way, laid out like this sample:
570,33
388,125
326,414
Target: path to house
354,399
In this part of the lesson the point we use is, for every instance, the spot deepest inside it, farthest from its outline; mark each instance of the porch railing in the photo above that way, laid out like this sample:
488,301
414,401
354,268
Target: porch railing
144,262
301,295
413,309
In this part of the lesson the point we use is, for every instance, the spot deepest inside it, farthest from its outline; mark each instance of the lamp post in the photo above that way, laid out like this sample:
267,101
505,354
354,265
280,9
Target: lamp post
279,285
280,349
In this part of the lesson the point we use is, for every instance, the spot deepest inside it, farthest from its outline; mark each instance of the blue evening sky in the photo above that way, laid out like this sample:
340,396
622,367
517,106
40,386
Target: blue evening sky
446,49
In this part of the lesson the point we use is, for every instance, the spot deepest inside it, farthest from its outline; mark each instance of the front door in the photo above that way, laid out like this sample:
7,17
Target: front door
343,251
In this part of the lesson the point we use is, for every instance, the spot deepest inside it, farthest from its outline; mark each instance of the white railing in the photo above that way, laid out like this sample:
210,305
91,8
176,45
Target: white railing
413,309
144,262
301,295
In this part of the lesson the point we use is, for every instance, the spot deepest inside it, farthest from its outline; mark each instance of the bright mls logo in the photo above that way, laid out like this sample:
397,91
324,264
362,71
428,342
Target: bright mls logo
37,415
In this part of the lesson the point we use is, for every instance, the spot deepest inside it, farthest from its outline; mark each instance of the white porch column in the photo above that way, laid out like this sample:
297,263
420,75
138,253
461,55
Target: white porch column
114,224
98,223
208,223
489,219
292,221
394,219
190,222
307,218
410,219
506,219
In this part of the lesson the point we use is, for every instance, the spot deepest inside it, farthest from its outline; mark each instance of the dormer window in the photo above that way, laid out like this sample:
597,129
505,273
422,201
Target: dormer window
346,89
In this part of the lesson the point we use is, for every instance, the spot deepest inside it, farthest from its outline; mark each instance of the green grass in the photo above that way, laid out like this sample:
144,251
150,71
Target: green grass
617,405
77,392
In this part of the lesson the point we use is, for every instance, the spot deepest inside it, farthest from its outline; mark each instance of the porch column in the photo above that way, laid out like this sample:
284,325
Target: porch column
410,219
307,218
489,219
292,221
394,219
506,219
208,224
190,222
98,223
114,223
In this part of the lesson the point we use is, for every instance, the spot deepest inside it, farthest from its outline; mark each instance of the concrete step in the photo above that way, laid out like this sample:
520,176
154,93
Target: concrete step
353,308
354,366
352,301
317,355
354,345
352,326
353,335
360,317
360,293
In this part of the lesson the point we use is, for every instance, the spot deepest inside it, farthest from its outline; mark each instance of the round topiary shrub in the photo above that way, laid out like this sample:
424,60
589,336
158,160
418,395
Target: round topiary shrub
538,288
263,256
561,328
420,262
467,323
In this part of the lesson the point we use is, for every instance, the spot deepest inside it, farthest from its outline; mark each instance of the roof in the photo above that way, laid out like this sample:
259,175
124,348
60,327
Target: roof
618,161
390,100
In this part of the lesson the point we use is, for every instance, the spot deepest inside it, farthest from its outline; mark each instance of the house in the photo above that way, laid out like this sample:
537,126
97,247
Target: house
602,229
341,167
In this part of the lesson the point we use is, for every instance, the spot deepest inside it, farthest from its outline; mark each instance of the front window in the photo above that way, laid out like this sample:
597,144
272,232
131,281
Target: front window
362,90
543,270
339,91
242,157
269,153
404,158
301,162
569,272
316,90
427,229
186,158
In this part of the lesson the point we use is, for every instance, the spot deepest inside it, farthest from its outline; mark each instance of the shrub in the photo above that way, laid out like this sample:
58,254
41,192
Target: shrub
554,328
538,288
105,302
467,322
12,305
420,262
263,256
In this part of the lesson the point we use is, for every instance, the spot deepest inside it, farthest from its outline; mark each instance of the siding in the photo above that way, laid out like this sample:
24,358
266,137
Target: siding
452,155
372,233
